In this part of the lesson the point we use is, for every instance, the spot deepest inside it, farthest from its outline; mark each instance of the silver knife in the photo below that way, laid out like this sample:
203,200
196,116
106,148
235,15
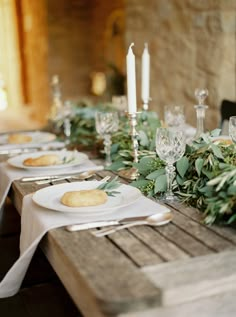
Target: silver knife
39,178
85,226
95,224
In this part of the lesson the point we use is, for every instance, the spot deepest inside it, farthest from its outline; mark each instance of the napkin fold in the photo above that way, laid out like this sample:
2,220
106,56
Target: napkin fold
36,221
9,173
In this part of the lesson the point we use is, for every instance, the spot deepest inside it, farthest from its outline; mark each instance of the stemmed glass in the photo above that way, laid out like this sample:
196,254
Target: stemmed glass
174,116
106,124
232,128
170,146
66,115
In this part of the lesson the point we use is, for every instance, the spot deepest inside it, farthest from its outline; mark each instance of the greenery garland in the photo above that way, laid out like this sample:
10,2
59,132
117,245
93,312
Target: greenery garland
205,175
205,178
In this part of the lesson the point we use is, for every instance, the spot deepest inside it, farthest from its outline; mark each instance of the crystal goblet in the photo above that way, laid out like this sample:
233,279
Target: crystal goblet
67,114
170,146
232,128
174,116
106,124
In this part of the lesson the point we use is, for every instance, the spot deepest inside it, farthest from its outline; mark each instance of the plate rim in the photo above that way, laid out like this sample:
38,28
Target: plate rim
37,168
28,133
74,210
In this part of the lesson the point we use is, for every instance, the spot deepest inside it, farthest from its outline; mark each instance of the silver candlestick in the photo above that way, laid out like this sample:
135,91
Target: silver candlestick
145,109
146,104
134,134
132,173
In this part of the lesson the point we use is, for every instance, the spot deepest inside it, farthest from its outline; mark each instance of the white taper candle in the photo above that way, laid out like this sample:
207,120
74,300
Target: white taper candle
131,81
145,91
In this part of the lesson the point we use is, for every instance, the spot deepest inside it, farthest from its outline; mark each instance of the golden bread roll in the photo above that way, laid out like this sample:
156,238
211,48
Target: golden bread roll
224,141
19,138
84,198
43,160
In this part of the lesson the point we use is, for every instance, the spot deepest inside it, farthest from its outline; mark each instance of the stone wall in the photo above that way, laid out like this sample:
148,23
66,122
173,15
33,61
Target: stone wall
77,42
34,50
192,44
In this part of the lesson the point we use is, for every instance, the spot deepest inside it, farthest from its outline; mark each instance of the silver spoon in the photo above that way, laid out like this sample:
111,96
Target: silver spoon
153,220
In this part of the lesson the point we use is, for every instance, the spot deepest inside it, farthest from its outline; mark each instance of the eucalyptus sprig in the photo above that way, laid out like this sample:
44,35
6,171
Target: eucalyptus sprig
109,187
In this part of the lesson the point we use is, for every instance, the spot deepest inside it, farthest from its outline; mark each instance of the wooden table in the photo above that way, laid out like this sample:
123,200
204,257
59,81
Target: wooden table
181,269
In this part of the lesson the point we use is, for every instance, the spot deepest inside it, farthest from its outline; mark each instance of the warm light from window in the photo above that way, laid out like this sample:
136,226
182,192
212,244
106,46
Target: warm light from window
98,83
3,95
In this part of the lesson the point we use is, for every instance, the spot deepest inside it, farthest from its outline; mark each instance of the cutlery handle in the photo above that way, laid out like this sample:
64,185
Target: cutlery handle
37,178
46,181
105,232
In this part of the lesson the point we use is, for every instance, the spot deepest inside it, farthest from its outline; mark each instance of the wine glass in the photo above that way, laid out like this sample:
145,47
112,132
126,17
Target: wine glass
66,115
174,116
232,128
170,146
106,124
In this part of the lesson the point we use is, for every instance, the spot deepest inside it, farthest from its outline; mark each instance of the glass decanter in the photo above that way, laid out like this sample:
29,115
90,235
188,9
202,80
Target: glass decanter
200,94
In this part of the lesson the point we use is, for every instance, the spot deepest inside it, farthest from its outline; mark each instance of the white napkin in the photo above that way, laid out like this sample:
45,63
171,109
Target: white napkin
36,221
8,174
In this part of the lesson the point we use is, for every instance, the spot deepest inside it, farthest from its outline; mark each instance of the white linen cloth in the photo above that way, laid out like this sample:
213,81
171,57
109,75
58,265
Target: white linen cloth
9,173
36,221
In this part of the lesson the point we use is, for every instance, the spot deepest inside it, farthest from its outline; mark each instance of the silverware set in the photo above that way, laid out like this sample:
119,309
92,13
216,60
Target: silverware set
158,219
49,178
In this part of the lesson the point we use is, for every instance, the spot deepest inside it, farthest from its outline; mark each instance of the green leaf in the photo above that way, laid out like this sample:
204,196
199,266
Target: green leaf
182,166
155,174
232,190
216,150
160,184
116,166
179,180
208,173
143,138
140,183
198,165
215,132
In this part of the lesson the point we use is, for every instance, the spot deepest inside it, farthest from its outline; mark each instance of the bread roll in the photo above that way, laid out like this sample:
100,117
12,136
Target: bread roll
43,160
84,198
19,138
223,141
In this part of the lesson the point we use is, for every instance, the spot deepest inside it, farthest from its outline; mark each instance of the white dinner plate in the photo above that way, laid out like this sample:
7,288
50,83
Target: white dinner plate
49,197
37,137
70,158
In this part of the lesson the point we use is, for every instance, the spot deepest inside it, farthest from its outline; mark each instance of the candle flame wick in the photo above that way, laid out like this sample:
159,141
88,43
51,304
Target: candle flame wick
130,47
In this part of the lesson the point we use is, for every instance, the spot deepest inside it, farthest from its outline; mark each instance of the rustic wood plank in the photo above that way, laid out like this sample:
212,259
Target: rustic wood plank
163,247
227,232
196,278
184,240
220,305
138,251
100,278
202,233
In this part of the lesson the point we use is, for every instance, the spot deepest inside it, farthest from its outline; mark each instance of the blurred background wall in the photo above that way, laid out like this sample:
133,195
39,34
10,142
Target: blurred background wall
192,44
